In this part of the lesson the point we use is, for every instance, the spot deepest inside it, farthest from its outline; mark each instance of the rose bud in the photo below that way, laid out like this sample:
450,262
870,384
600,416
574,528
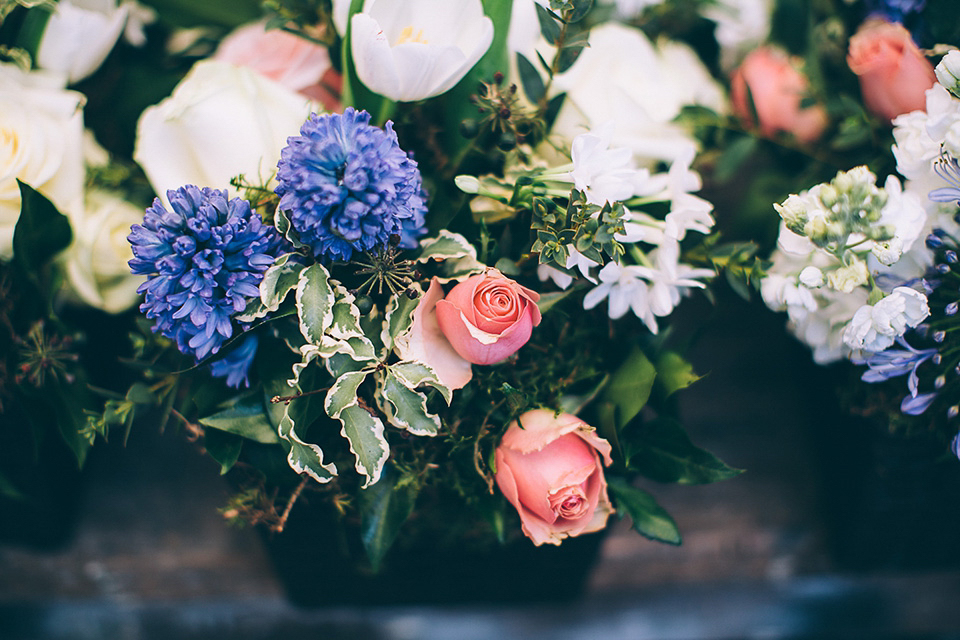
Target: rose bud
778,88
894,74
488,317
549,467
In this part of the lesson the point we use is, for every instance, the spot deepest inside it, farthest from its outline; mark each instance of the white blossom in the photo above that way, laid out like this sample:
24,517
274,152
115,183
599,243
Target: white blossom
876,327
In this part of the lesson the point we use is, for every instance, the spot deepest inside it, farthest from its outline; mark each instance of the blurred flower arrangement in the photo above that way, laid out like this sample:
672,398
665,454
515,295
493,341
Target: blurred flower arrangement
401,254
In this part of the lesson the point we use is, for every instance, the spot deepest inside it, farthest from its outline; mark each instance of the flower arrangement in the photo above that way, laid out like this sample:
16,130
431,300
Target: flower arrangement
388,254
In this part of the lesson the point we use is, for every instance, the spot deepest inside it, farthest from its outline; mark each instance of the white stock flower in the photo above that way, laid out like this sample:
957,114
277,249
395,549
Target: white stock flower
602,173
79,35
848,277
221,121
876,327
96,261
410,50
889,252
687,211
622,77
904,212
42,144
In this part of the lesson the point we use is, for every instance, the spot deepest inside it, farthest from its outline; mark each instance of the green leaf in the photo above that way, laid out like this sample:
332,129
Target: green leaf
190,13
32,29
649,519
247,420
734,156
399,317
384,507
549,24
404,407
315,301
629,387
446,246
662,451
304,457
530,79
363,430
674,373
416,374
40,234
140,393
223,447
71,419
278,281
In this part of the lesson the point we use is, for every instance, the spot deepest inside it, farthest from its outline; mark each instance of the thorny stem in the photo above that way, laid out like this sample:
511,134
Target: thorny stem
289,399
195,431
477,457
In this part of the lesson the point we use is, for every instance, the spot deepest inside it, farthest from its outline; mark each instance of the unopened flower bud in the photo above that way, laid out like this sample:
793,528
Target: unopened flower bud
888,252
467,184
812,277
948,72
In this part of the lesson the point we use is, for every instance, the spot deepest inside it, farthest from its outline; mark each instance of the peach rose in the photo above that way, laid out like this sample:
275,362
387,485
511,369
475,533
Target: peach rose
549,468
894,75
288,59
488,317
778,88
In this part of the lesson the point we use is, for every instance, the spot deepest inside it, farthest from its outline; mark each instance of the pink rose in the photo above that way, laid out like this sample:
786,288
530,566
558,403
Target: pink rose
894,75
424,342
285,58
549,468
488,317
778,88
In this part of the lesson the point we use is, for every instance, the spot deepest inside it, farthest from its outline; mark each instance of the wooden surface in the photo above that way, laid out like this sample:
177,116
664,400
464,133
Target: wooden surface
150,557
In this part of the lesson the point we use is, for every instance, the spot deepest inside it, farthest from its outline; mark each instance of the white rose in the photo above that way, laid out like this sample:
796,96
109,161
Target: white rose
79,36
221,121
623,78
96,261
408,50
41,145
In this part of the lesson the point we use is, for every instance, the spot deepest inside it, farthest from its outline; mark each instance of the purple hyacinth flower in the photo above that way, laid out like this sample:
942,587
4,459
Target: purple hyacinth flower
348,186
204,261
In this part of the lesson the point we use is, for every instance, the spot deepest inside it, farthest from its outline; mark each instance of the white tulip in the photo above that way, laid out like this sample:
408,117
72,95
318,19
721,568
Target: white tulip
408,50
79,36
220,122
41,144
96,261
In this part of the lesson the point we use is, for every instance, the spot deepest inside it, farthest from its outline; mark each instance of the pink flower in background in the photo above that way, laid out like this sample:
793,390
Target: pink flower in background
550,468
488,317
894,74
778,88
288,59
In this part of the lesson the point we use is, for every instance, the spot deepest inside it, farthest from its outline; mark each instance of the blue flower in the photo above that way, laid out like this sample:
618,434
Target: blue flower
947,167
895,10
348,186
892,363
203,261
235,365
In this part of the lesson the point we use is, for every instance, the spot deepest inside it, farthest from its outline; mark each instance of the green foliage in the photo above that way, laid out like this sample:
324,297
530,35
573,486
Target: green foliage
661,450
649,519
40,234
384,507
590,228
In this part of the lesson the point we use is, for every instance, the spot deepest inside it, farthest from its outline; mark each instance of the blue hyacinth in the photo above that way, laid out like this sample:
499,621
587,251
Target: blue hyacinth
203,260
348,186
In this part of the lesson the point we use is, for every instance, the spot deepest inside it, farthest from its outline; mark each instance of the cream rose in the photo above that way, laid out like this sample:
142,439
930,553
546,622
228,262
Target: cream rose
488,317
41,144
550,468
96,261
221,121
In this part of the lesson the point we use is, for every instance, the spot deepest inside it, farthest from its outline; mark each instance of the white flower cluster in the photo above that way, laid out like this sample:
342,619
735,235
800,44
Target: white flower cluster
845,250
653,286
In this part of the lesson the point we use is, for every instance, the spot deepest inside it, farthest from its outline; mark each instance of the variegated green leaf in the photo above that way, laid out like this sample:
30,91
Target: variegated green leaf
253,311
404,407
303,456
346,316
399,316
279,280
315,301
363,430
416,374
453,249
357,349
